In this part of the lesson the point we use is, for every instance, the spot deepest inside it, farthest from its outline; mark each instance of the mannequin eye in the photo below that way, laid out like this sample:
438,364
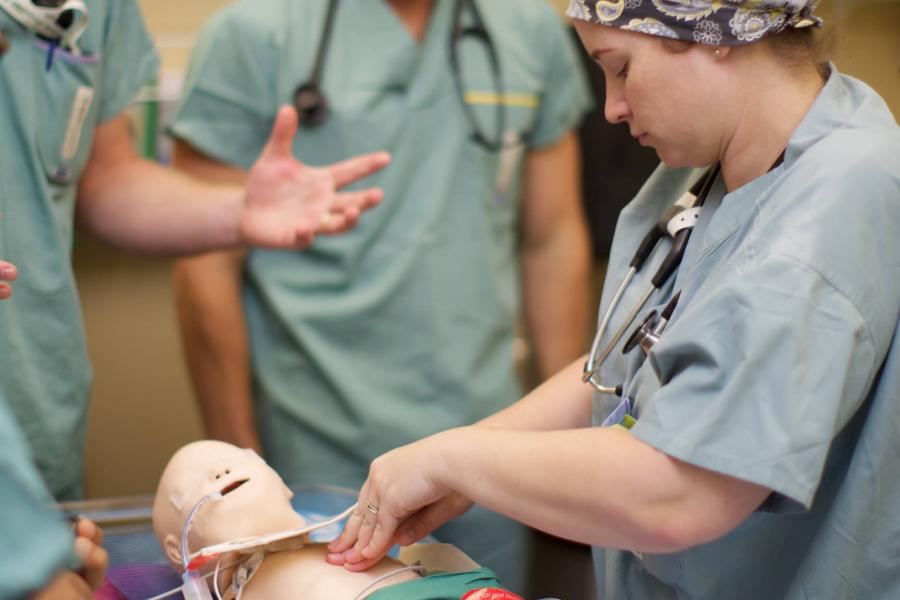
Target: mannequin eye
218,476
228,471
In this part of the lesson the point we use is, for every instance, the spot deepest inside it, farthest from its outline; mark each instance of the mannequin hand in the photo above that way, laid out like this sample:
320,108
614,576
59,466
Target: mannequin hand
8,272
287,203
406,486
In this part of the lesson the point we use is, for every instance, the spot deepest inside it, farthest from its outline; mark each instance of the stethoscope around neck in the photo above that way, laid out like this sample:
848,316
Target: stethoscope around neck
678,223
312,104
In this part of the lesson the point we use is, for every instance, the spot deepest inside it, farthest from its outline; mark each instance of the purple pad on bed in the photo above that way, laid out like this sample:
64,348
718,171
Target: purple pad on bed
139,581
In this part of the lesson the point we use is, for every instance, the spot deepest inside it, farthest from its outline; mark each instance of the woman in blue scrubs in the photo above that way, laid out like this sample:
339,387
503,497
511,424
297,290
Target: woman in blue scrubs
753,451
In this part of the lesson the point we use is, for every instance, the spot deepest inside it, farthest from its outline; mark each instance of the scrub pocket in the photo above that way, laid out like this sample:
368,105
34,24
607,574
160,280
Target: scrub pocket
68,98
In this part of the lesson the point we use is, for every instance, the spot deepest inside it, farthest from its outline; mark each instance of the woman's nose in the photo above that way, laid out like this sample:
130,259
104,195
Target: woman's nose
616,107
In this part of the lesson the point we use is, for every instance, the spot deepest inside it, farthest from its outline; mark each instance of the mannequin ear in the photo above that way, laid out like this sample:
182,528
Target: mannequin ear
173,549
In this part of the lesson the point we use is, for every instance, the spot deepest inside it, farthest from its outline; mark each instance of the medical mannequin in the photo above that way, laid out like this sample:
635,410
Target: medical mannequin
255,501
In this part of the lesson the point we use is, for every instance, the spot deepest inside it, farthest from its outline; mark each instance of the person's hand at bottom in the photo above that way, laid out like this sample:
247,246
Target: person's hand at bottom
8,272
89,549
72,585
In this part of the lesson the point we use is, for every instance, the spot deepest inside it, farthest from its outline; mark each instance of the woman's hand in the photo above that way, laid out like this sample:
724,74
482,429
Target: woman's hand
405,498
8,272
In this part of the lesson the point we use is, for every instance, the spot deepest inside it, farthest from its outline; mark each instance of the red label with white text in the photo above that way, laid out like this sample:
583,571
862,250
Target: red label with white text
491,594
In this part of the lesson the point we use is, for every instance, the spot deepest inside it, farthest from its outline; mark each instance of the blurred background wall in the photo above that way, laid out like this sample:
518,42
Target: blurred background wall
142,409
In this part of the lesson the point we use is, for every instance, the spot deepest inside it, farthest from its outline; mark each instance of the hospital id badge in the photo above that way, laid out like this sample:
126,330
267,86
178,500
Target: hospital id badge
511,150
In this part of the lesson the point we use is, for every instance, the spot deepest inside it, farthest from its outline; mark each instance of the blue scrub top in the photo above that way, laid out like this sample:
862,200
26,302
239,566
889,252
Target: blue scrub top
781,364
47,120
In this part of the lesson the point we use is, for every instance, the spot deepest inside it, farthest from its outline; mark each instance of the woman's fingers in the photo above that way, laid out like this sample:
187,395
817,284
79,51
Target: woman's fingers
348,536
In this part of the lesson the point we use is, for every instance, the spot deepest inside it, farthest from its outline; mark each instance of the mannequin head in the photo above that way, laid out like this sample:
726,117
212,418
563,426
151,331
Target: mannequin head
254,501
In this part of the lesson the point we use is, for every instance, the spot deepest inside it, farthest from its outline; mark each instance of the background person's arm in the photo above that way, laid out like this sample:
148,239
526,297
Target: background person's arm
140,205
211,318
555,255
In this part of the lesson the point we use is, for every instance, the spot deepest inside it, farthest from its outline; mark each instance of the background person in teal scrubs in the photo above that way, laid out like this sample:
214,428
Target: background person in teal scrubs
65,155
763,460
406,326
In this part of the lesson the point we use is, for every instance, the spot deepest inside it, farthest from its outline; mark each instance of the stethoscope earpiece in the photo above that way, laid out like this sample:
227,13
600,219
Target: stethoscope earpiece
311,105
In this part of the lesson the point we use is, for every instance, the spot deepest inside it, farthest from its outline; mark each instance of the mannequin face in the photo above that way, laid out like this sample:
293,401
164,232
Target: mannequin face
255,499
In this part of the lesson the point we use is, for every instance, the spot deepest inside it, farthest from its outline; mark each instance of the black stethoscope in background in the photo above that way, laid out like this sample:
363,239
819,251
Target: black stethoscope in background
309,100
312,104
478,31
678,222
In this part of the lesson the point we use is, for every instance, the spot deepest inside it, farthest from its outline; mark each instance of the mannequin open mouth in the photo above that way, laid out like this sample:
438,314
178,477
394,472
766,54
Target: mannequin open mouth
233,486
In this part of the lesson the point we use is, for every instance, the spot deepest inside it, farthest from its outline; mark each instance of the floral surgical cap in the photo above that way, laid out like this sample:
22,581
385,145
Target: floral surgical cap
713,22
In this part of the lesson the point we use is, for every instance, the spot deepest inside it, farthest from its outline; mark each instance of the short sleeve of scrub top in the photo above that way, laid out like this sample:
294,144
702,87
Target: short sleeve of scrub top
130,59
566,98
775,354
34,540
229,92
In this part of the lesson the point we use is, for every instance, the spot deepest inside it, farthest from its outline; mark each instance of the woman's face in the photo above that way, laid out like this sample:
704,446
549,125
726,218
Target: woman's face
671,100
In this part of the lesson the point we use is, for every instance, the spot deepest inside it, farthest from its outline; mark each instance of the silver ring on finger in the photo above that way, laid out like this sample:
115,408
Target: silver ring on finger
372,508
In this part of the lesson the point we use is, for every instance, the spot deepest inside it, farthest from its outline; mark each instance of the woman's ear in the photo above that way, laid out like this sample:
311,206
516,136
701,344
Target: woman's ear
173,549
721,52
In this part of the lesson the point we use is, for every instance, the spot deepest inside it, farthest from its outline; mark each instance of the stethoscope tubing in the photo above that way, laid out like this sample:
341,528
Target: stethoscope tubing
593,362
670,263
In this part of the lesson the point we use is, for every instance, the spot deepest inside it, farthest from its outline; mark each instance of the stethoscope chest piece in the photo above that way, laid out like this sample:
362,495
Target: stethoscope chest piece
651,328
311,104
644,335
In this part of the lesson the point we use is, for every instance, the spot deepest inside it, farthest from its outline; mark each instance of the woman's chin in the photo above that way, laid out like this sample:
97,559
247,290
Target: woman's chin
677,160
